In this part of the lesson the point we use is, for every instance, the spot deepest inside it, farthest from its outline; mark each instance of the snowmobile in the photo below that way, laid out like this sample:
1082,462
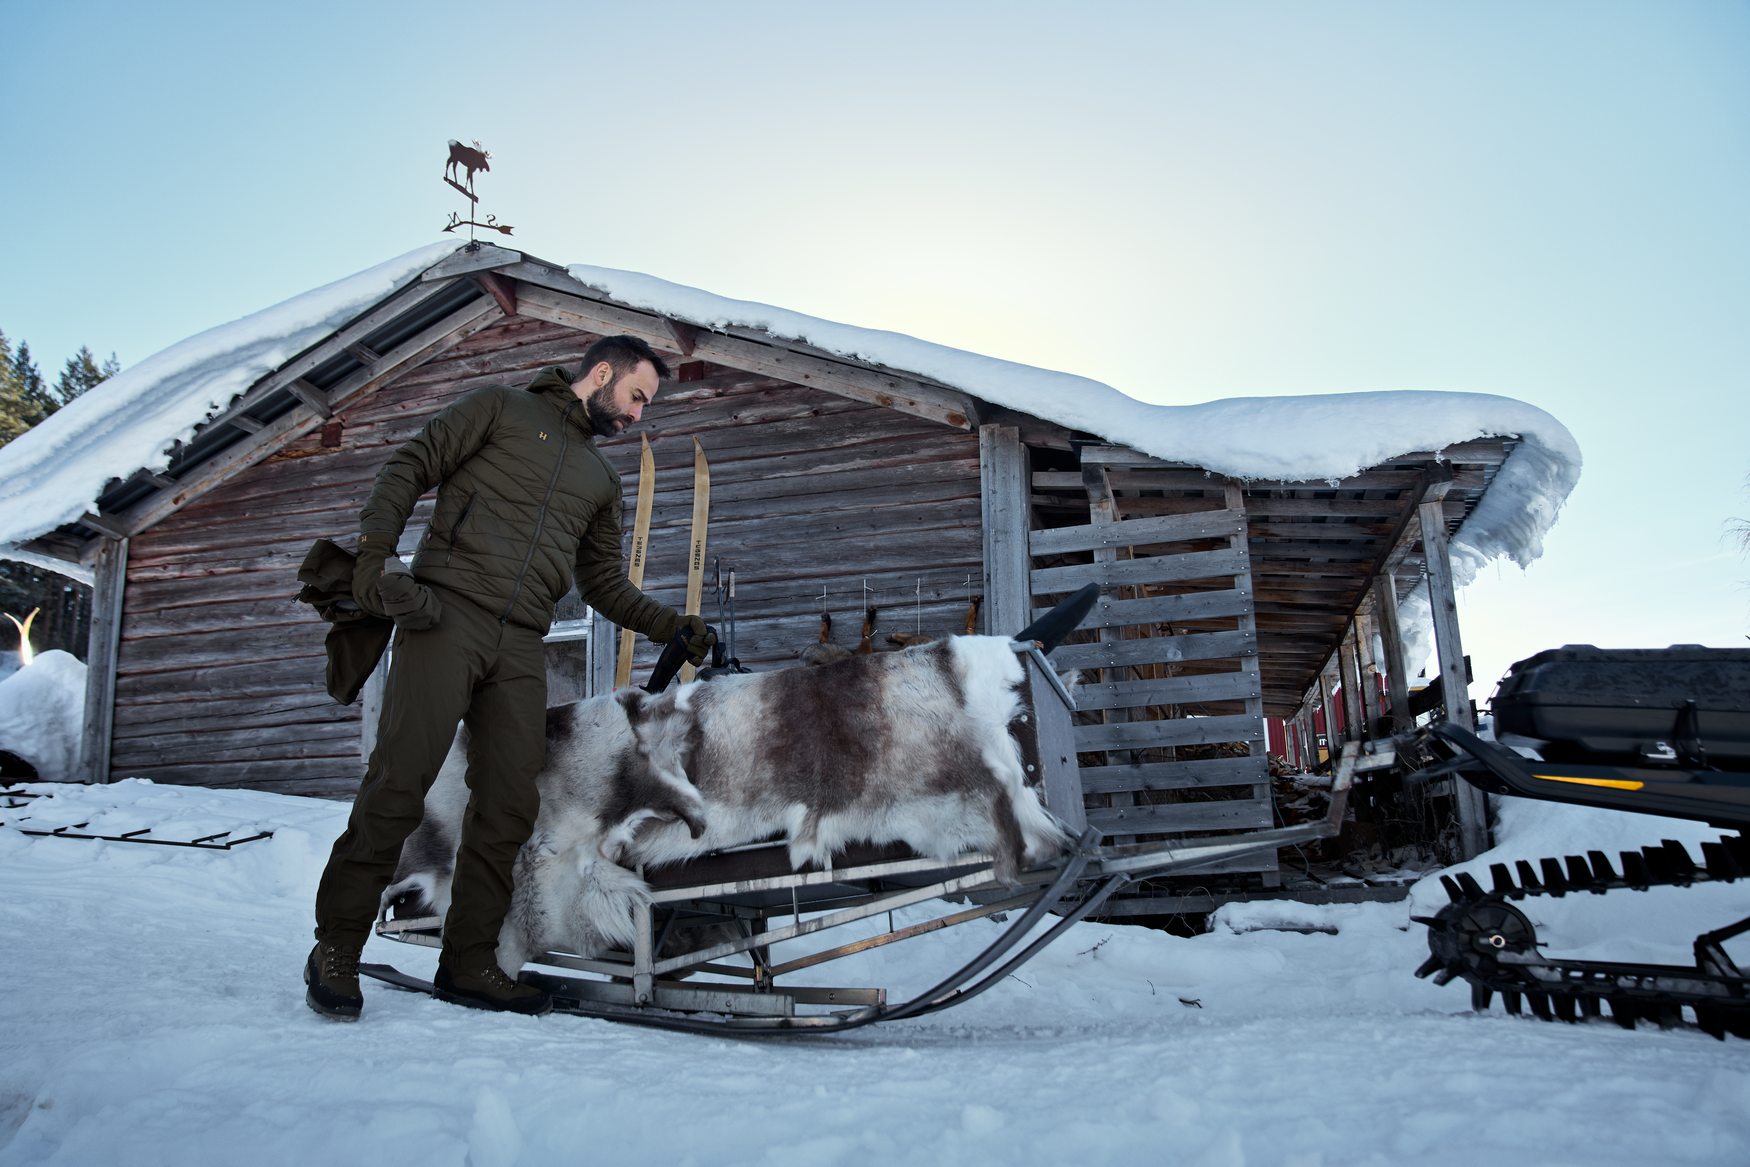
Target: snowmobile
1656,731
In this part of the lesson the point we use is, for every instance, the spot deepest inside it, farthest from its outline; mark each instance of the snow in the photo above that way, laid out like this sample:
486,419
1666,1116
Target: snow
156,1016
42,708
52,474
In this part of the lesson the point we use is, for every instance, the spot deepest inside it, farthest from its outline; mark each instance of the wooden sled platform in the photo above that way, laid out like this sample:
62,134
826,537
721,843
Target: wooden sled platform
680,933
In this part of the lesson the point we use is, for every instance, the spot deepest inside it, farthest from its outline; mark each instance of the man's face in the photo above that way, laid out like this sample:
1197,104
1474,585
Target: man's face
614,405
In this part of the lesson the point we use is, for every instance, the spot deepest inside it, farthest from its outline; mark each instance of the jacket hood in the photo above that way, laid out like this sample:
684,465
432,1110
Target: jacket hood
554,383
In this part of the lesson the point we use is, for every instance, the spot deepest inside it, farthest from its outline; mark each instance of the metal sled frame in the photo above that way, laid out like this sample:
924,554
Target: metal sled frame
641,986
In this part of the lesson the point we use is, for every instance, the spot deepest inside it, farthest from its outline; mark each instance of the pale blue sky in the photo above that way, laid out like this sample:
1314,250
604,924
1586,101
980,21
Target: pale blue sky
1188,201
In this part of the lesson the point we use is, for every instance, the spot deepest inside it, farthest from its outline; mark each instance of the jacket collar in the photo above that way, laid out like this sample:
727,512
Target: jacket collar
554,383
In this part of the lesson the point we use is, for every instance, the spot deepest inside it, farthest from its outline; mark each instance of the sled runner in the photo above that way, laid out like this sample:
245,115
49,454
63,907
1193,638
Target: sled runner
1655,731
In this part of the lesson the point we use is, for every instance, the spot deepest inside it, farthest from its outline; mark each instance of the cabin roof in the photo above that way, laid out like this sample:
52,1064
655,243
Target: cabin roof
161,432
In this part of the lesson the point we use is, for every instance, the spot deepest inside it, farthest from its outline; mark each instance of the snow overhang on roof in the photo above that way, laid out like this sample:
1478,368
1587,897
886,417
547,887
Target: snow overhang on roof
142,443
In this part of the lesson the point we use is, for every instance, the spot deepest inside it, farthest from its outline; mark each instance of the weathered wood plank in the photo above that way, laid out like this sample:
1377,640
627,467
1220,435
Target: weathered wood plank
1155,569
1111,613
1179,731
110,576
1152,650
1166,691
1174,817
1003,469
1175,775
1137,532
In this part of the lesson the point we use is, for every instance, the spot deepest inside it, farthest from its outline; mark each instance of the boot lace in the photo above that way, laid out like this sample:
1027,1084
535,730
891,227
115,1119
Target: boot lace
496,979
340,963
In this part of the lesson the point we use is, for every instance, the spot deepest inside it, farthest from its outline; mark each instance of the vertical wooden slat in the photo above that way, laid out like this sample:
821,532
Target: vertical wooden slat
602,643
1353,716
1397,679
1002,468
1473,827
1328,709
108,586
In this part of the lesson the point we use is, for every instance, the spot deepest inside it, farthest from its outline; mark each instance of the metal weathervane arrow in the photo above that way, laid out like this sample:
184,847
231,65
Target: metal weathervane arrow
470,159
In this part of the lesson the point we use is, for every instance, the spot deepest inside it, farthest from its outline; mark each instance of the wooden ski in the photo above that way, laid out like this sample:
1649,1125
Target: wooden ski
640,553
696,552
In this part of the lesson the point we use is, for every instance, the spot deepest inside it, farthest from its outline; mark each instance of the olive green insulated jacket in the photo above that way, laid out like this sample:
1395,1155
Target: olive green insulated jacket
526,505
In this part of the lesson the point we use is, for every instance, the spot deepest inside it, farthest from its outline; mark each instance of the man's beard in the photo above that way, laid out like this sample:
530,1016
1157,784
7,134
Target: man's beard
604,418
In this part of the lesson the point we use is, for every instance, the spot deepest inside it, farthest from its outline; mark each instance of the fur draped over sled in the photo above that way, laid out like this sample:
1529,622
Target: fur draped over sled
911,746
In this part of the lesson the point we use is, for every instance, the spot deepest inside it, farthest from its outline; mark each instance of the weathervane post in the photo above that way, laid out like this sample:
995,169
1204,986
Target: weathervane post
470,159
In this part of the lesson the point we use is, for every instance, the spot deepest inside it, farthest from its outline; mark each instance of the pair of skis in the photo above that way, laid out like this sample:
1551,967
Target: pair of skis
641,547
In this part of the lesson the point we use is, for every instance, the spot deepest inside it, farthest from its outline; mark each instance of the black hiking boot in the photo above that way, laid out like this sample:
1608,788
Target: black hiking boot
490,988
332,972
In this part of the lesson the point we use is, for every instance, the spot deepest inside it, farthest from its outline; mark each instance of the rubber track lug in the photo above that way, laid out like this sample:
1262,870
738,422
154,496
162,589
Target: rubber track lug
1624,1012
1553,880
1472,889
1601,867
1539,1003
1635,872
1452,889
1431,965
1680,861
1512,1002
1720,864
1528,877
1580,876
1480,998
1504,885
1563,1006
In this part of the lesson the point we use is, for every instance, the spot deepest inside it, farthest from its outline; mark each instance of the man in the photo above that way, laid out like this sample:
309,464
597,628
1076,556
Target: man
526,504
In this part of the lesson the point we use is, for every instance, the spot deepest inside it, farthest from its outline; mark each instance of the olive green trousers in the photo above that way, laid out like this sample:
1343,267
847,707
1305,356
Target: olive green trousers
493,677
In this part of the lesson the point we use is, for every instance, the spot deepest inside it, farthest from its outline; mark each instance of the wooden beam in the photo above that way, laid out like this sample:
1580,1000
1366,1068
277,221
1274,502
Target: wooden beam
247,424
1157,569
1135,532
604,637
1397,680
111,572
477,257
1002,471
1473,823
363,353
114,526
500,289
686,336
311,396
1354,718
769,359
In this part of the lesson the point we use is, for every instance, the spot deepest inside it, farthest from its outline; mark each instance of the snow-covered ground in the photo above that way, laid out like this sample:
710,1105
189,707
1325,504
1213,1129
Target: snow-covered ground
154,1014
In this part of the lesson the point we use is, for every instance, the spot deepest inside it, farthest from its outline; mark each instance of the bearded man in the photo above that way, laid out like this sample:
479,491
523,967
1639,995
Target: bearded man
526,505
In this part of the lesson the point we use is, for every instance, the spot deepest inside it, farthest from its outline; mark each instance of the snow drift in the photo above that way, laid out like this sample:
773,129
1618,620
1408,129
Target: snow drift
42,710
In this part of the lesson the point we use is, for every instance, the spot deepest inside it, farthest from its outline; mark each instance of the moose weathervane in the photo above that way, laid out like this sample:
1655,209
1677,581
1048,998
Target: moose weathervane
469,159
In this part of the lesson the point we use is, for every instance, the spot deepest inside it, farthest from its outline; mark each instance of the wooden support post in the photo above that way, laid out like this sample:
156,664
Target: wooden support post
111,572
604,637
1353,715
1002,469
1368,667
1328,708
1397,677
1473,823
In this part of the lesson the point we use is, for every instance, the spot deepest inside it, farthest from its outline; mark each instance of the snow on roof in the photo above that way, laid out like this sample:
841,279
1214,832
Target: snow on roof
1295,439
50,475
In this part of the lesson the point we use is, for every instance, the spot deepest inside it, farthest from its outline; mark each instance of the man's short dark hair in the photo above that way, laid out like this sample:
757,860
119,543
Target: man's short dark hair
624,354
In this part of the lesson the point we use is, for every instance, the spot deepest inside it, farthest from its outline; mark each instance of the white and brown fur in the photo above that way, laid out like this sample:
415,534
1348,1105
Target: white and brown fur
909,747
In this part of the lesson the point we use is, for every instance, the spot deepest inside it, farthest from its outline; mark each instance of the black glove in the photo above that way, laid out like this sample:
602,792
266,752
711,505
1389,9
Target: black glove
373,551
700,638
408,602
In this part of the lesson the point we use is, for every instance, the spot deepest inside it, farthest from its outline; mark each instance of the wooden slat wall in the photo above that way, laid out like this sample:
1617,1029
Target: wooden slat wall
1172,654
220,672
808,492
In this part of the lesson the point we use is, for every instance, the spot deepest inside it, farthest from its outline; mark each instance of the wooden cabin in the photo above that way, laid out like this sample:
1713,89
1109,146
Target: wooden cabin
837,485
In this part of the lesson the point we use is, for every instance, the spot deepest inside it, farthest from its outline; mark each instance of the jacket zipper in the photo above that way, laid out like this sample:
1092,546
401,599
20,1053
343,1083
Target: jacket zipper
541,515
456,531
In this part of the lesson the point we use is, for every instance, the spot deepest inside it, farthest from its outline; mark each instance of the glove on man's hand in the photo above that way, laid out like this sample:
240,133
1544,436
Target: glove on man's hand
373,551
699,637
408,602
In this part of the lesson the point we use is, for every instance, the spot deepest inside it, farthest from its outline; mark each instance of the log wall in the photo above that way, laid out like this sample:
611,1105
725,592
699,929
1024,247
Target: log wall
220,672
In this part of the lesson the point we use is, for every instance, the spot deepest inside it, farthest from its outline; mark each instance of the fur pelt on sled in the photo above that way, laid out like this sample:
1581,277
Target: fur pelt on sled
910,747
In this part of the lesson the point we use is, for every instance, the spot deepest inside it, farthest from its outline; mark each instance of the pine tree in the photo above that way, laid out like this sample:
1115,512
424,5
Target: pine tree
83,372
24,399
